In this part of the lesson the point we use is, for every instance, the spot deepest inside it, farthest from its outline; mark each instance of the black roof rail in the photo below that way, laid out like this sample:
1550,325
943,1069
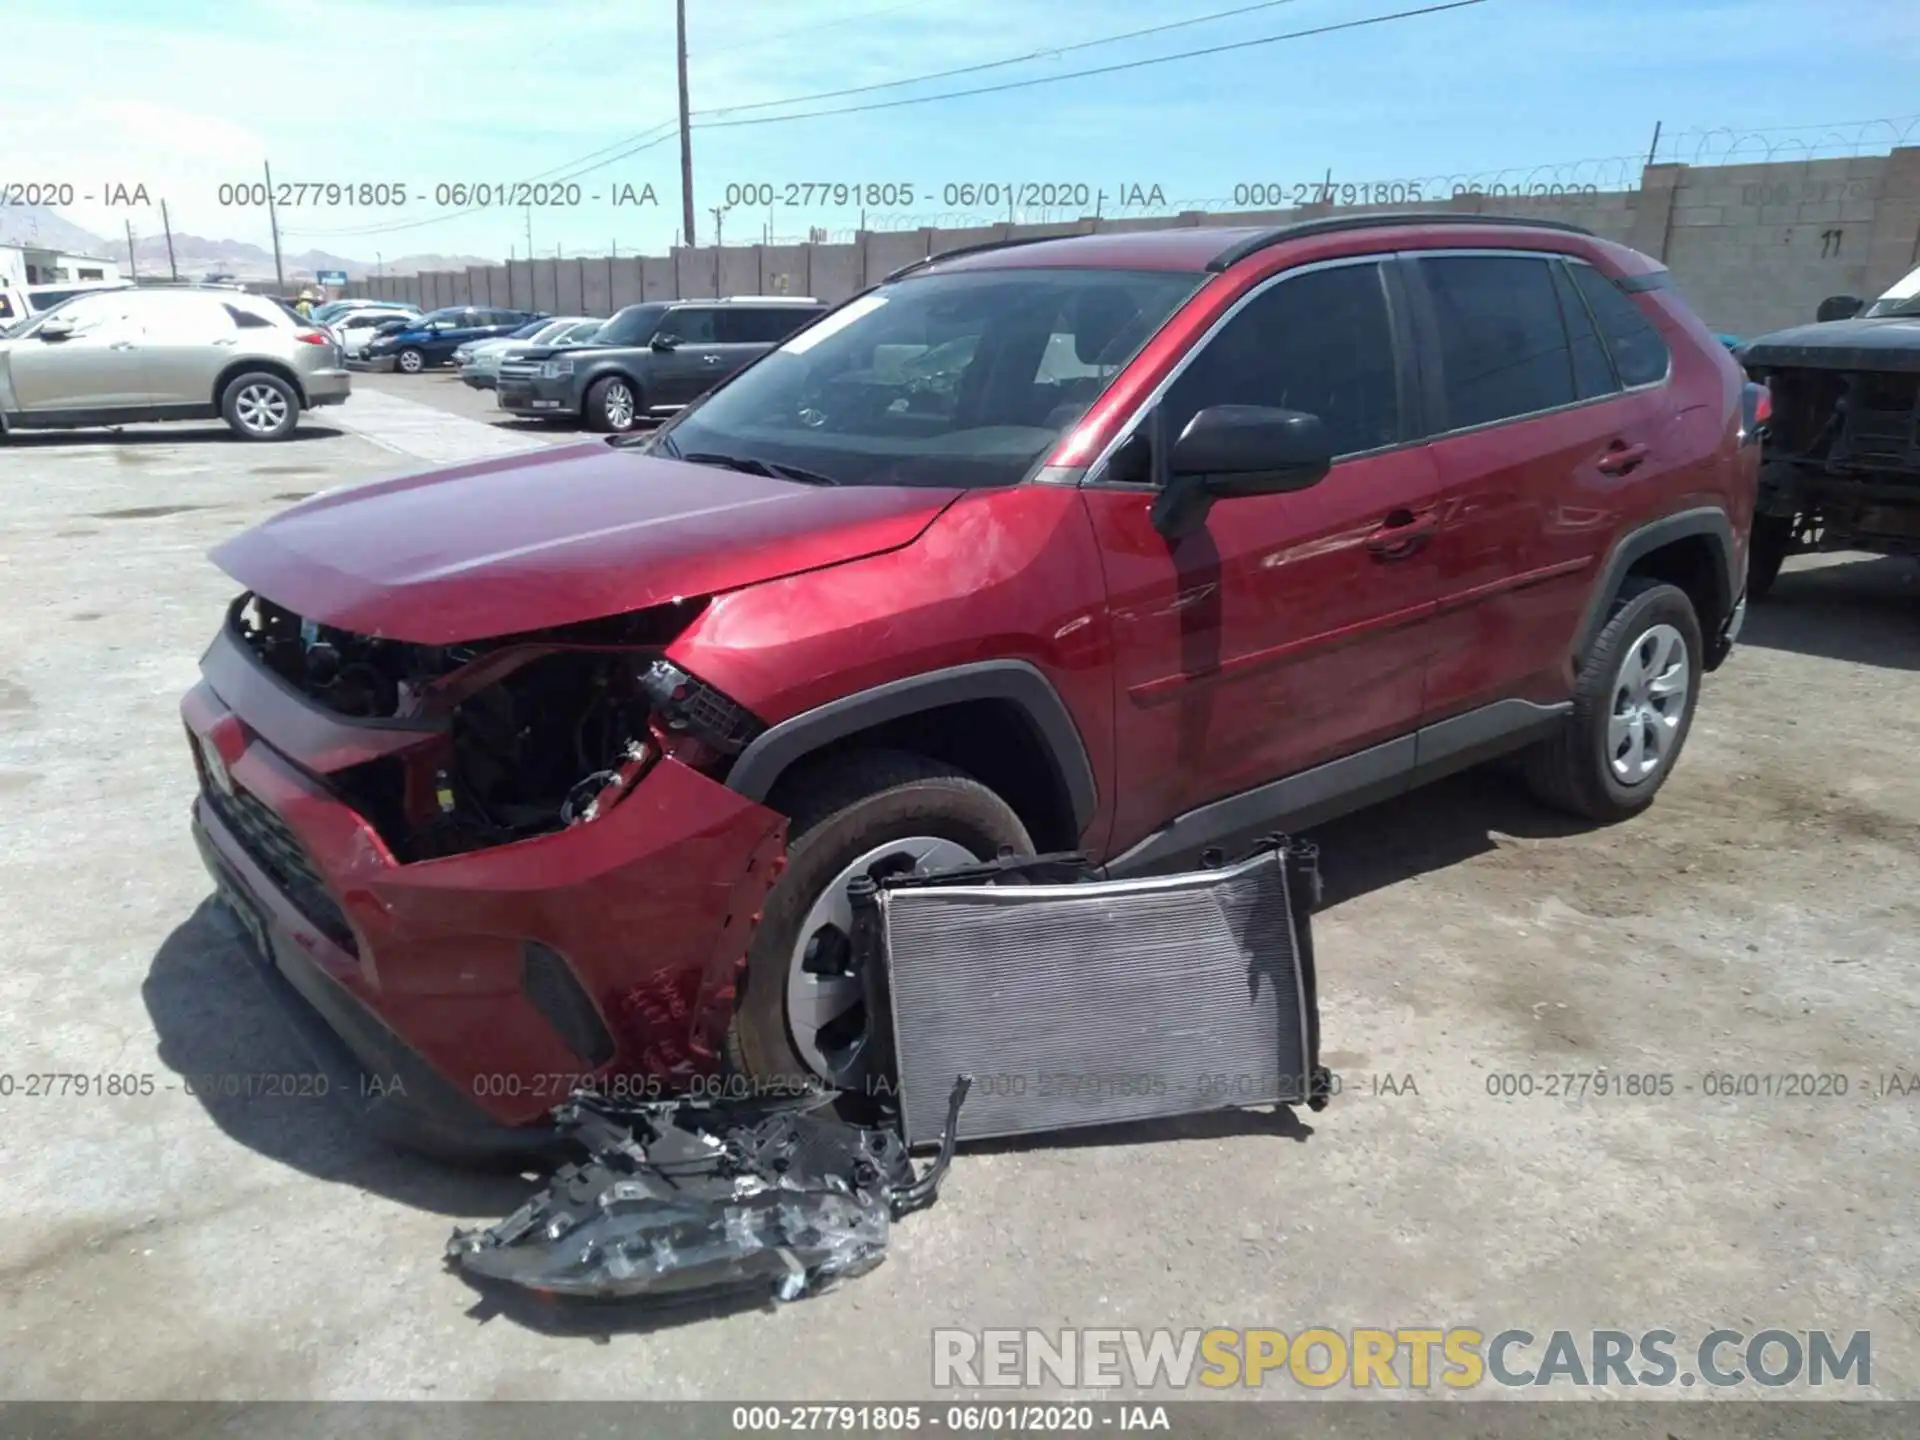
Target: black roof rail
969,250
1333,224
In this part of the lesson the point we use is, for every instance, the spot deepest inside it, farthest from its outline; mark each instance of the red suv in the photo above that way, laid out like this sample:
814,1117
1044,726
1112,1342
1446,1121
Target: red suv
557,767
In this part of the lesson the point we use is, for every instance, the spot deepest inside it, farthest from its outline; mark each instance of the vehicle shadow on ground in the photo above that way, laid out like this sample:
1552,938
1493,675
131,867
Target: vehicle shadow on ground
1432,828
1864,611
158,435
220,1030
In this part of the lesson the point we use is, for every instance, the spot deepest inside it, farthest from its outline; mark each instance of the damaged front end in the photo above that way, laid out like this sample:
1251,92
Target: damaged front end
440,847
1842,462
522,736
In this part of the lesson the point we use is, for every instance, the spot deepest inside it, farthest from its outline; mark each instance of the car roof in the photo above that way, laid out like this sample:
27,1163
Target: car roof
1200,249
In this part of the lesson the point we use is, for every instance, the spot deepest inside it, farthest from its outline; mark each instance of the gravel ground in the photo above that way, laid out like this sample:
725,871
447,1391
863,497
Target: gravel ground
1763,919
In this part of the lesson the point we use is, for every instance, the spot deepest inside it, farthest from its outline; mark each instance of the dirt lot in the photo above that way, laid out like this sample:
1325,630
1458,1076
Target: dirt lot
1763,919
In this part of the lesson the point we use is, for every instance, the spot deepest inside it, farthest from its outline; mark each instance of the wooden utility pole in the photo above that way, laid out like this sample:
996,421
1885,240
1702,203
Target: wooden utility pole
1654,148
167,224
686,136
273,219
133,269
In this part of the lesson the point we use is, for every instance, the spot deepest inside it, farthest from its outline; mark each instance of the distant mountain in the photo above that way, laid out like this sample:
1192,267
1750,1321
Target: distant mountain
196,255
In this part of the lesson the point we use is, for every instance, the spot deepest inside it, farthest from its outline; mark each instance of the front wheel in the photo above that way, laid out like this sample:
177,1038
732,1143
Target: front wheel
1632,707
411,361
875,814
260,406
612,406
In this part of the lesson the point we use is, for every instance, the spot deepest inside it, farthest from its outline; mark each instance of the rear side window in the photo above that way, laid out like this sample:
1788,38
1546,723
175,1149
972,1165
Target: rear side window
769,326
1320,342
1639,354
246,319
1592,370
1503,348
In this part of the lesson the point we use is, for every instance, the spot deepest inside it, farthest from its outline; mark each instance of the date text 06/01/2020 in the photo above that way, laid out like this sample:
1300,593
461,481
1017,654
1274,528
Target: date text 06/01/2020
454,195
953,195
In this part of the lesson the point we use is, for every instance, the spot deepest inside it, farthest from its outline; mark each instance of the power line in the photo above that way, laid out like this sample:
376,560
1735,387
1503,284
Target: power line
1100,70
575,169
1044,53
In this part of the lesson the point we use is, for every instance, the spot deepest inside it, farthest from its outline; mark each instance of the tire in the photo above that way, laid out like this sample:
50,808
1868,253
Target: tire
839,813
1574,769
1766,551
259,405
613,405
410,361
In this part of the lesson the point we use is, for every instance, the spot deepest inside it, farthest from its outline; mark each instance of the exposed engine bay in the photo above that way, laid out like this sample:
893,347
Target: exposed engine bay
1843,459
521,736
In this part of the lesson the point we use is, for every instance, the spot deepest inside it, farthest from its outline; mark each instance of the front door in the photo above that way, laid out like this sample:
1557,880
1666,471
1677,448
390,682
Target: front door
694,365
1290,630
96,365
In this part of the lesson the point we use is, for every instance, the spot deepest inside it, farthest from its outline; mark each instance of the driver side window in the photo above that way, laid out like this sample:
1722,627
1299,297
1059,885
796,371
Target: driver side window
1321,342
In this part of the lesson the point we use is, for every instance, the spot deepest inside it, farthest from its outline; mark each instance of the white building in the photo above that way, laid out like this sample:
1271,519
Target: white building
22,265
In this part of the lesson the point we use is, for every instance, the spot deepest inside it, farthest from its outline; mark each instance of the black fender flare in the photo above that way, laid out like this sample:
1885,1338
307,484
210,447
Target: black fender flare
1708,520
759,767
610,370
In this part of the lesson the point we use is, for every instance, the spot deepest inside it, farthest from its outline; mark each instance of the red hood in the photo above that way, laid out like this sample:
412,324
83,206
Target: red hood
560,536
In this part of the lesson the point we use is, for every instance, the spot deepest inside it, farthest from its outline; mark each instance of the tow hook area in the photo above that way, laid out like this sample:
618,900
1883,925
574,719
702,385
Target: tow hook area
1085,1001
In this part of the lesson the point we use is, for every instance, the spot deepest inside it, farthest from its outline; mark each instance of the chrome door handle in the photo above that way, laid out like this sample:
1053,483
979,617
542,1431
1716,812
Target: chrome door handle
227,341
123,345
710,359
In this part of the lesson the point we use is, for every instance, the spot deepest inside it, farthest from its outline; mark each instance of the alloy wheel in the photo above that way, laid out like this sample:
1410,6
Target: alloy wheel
826,1014
1649,704
617,405
261,409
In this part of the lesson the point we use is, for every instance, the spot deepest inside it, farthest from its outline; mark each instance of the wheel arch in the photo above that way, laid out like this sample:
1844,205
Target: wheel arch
277,368
1000,720
1692,549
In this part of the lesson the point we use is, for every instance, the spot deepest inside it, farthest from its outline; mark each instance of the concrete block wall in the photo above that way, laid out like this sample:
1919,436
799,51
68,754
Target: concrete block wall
1752,247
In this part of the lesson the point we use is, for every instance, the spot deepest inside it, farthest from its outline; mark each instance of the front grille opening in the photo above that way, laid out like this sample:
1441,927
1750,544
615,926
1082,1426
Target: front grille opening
552,988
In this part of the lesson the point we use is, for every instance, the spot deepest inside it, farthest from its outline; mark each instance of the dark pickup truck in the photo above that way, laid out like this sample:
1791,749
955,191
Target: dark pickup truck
1842,442
650,360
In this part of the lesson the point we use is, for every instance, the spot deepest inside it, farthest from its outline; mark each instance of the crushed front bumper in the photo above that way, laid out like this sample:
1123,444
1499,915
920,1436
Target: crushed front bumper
504,978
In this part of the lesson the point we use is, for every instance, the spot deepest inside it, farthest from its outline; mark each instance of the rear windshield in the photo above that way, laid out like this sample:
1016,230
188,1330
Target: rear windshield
963,379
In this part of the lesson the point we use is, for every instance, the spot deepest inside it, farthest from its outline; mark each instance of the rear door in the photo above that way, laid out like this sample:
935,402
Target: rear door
1533,433
188,340
696,362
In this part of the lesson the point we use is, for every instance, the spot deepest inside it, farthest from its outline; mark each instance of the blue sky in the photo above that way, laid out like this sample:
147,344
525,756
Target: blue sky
423,93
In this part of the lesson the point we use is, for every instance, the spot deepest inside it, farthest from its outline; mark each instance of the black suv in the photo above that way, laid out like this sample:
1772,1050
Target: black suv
650,360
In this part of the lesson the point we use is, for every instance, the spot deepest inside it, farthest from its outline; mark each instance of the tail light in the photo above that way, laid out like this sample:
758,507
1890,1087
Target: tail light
312,337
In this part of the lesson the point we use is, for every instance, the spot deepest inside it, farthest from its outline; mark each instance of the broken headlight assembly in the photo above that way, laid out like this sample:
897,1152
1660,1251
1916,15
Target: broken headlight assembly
522,736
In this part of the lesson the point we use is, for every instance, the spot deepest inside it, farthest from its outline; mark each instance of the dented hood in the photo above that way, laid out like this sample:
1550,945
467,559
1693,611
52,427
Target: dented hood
555,537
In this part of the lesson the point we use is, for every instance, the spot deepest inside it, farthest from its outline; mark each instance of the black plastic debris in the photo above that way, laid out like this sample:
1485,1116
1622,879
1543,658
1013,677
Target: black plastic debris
701,1200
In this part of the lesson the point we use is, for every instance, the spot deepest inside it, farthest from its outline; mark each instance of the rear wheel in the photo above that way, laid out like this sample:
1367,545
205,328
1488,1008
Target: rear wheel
876,813
1632,707
612,405
260,406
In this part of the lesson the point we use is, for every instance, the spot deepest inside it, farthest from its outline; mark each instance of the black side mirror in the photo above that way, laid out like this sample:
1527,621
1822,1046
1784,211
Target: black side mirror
665,342
1839,307
1231,451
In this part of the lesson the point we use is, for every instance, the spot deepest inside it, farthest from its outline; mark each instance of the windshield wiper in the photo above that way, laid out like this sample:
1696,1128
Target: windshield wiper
747,465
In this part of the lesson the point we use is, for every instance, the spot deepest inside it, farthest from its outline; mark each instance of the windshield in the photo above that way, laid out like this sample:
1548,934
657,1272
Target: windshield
537,330
632,326
943,380
1902,298
332,308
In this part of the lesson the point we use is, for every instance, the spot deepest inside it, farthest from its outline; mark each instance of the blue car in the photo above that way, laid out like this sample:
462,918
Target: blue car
432,339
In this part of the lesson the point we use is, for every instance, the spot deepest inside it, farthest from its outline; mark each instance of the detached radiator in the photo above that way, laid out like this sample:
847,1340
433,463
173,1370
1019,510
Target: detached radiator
1075,1001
